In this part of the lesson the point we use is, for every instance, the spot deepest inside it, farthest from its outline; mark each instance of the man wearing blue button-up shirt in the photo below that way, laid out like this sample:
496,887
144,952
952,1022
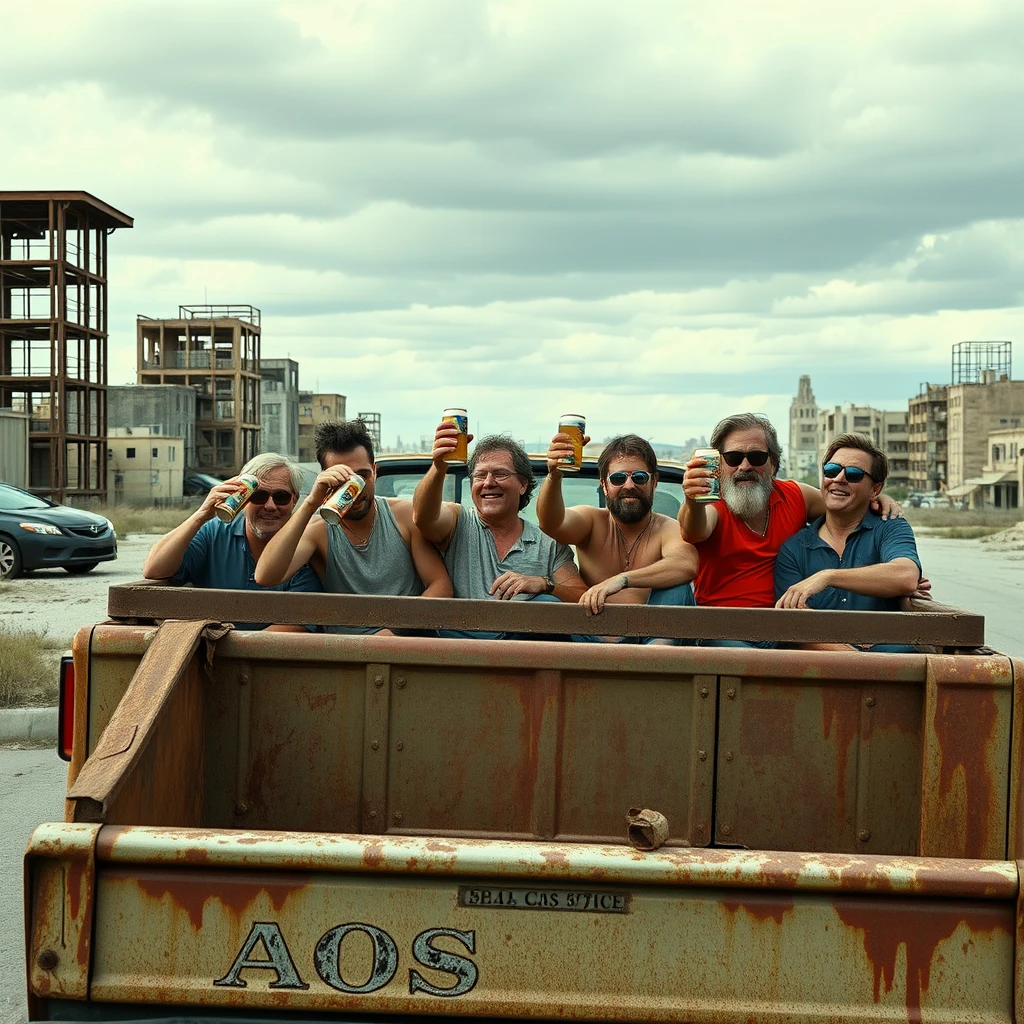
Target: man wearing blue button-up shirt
847,559
206,552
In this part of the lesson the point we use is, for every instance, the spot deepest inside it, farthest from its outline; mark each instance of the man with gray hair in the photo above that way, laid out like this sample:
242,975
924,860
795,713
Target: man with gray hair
738,537
206,552
489,549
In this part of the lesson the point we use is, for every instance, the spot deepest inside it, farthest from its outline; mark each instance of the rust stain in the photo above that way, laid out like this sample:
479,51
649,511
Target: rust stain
919,928
840,711
76,875
437,846
235,891
966,723
761,908
373,855
319,701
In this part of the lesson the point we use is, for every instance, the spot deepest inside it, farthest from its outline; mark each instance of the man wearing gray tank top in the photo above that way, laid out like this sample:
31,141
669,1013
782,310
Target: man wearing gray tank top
376,550
490,550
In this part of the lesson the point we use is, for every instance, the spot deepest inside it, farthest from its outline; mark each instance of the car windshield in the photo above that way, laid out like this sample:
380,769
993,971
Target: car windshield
11,499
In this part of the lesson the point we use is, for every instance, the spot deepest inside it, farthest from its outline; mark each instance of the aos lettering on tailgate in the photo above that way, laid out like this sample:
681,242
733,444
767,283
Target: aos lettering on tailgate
327,960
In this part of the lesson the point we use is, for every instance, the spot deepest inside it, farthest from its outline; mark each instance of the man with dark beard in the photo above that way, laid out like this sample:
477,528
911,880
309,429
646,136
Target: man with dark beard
738,537
628,554
376,550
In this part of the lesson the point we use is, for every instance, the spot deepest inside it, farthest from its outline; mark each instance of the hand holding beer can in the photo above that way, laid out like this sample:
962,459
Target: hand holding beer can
338,502
713,461
573,424
459,418
229,507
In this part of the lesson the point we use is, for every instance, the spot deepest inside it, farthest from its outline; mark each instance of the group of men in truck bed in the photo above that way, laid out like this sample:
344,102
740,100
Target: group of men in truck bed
766,542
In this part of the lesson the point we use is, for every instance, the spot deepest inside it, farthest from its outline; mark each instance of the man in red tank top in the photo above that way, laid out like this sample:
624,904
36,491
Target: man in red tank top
738,537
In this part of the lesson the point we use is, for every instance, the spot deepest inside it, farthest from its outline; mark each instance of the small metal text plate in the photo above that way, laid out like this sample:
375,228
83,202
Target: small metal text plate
593,901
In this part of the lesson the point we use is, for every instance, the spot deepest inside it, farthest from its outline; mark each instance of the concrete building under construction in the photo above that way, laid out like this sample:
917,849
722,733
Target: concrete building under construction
216,350
53,334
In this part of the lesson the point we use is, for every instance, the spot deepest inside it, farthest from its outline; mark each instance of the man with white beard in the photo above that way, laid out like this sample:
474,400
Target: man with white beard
738,537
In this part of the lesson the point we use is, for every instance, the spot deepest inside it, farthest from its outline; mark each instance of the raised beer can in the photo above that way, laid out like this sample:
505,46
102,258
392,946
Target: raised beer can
229,507
713,460
461,421
338,502
575,425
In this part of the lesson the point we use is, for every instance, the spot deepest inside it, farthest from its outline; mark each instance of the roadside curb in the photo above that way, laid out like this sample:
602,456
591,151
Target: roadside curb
23,725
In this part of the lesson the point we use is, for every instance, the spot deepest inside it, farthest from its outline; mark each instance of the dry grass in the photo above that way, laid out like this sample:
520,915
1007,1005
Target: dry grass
141,518
963,532
28,669
997,519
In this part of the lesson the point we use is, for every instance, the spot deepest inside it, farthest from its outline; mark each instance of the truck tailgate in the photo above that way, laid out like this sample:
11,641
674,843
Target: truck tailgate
312,922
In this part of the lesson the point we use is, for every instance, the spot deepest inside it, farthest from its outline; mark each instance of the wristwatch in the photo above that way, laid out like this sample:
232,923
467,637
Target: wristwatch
549,585
625,582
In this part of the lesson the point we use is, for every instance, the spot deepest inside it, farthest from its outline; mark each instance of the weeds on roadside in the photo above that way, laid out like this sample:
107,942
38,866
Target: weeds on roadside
28,670
128,519
964,532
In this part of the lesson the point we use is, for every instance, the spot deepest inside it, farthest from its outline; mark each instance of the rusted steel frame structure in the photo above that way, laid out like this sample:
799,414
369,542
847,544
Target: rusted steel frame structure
867,754
939,626
243,919
53,358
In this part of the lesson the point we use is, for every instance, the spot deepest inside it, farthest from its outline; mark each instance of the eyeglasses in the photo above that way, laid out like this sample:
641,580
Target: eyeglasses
261,497
500,475
639,477
755,458
854,474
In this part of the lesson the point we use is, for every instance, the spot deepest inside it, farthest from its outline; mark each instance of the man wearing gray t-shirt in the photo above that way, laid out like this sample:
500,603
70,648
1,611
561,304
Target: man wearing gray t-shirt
490,551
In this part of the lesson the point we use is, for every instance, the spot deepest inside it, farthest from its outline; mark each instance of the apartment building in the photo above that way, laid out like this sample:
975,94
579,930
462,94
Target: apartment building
974,411
927,448
314,409
145,467
279,406
888,429
166,409
216,351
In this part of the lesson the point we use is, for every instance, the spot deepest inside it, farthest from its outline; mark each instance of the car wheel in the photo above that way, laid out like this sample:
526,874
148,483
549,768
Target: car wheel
81,567
10,559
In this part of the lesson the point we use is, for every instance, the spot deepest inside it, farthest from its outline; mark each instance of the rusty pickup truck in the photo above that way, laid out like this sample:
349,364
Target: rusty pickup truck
280,826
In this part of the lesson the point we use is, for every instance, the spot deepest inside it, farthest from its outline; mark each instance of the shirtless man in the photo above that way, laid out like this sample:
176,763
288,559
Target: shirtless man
628,554
375,550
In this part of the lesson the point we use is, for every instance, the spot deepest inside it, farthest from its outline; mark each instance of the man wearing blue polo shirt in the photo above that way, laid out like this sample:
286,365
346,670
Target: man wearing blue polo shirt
848,560
205,552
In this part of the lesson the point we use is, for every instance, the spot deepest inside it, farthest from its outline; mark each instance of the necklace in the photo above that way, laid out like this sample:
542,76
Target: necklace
354,537
629,549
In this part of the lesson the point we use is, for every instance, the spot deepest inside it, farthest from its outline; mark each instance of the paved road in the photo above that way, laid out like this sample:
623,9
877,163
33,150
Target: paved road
32,786
965,574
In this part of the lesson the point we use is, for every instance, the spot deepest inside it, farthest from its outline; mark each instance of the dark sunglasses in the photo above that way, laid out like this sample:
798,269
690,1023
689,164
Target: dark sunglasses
854,474
639,477
755,458
261,497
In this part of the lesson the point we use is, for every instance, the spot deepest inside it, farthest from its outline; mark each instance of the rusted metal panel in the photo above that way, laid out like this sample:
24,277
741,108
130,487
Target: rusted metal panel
966,757
718,941
156,730
59,906
830,765
947,628
1015,829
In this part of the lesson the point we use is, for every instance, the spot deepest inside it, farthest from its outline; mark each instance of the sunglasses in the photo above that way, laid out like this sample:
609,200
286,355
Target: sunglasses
854,474
639,477
261,497
755,458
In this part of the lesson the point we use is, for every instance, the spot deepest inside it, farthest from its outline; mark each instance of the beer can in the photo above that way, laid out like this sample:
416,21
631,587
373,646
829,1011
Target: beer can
461,420
713,460
575,425
229,507
338,502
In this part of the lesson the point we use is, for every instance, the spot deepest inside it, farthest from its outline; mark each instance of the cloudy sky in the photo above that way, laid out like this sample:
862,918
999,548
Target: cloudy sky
651,213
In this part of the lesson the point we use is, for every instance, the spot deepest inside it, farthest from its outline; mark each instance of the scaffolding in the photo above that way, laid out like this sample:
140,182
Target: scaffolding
53,334
981,362
372,421
216,351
